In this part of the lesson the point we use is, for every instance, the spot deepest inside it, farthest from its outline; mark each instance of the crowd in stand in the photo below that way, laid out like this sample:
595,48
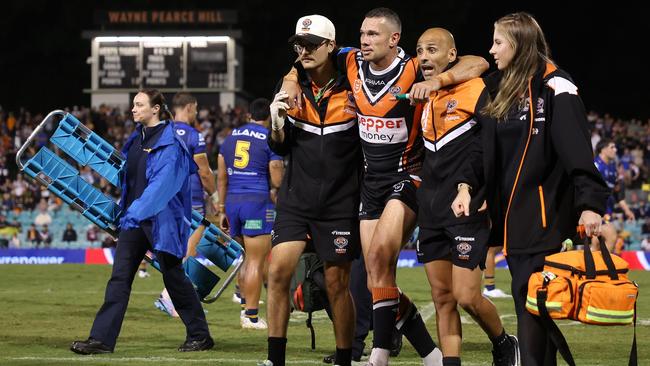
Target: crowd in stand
18,194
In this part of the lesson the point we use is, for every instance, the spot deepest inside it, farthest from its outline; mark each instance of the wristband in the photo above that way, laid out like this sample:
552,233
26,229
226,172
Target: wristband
464,185
215,197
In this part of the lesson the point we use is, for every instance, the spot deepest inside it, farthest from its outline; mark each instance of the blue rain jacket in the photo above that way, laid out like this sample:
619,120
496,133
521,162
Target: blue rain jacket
166,200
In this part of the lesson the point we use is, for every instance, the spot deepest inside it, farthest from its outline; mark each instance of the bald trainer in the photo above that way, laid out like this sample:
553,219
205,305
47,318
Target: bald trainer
453,222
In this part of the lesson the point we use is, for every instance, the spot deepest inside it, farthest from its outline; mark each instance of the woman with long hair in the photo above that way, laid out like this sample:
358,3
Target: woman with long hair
538,163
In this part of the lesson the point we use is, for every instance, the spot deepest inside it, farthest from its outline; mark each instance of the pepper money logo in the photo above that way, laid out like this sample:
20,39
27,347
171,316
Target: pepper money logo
382,130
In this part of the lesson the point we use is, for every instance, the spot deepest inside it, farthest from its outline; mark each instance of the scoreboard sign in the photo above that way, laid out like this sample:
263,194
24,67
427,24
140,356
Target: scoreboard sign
193,62
162,64
207,65
118,65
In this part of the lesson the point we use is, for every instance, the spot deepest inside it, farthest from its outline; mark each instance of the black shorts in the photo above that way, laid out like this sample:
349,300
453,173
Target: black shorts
465,244
335,241
376,193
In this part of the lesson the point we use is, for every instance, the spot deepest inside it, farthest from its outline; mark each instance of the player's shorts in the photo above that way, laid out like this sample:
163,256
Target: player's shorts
335,241
250,214
375,193
465,244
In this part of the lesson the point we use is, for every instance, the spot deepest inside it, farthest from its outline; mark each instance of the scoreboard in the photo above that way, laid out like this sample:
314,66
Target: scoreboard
175,63
118,65
162,64
207,64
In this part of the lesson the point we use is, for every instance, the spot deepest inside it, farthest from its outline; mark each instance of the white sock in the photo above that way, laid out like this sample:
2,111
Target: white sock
165,294
433,359
379,357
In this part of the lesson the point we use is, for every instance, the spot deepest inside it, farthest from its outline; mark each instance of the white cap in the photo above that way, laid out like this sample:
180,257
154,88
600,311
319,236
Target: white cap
314,29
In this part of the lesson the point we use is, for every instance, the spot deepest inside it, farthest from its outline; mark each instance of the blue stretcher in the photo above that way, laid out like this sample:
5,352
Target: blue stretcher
87,148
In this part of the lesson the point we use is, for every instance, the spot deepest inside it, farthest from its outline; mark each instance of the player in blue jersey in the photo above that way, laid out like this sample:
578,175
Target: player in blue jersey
184,106
606,163
248,170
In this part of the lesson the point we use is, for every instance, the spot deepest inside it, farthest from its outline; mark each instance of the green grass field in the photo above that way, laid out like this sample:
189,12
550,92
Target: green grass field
44,308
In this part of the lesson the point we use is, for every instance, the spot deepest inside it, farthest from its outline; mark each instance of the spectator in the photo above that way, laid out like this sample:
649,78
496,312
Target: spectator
7,203
645,229
14,243
87,175
92,235
46,236
7,231
69,235
4,232
33,235
19,186
43,218
4,172
645,244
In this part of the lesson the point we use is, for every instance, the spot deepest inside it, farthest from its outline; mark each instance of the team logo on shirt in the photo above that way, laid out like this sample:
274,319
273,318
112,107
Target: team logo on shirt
540,106
398,187
250,133
350,105
451,105
395,89
357,85
180,132
382,130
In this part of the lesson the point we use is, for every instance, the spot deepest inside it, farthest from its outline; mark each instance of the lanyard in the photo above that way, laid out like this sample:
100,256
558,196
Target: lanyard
322,91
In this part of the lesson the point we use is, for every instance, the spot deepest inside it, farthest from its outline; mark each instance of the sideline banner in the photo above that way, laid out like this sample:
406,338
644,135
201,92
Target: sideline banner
41,256
407,258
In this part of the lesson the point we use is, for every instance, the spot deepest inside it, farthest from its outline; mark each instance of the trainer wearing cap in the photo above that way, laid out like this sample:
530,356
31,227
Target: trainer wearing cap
314,29
318,200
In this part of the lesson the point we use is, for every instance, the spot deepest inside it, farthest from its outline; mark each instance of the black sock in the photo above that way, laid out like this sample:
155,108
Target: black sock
385,302
277,350
413,327
451,361
501,342
343,357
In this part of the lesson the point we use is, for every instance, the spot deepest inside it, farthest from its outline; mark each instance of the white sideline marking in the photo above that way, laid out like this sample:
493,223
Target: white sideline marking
300,317
85,292
427,311
466,320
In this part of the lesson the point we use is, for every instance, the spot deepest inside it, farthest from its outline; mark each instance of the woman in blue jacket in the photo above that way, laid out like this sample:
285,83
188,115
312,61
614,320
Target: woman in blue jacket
155,204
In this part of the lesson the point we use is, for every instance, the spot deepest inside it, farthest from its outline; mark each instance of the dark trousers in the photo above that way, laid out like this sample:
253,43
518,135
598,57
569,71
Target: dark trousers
131,248
533,338
362,303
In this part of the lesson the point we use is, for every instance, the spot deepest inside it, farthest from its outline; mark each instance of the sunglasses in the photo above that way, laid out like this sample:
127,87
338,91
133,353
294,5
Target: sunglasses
309,47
